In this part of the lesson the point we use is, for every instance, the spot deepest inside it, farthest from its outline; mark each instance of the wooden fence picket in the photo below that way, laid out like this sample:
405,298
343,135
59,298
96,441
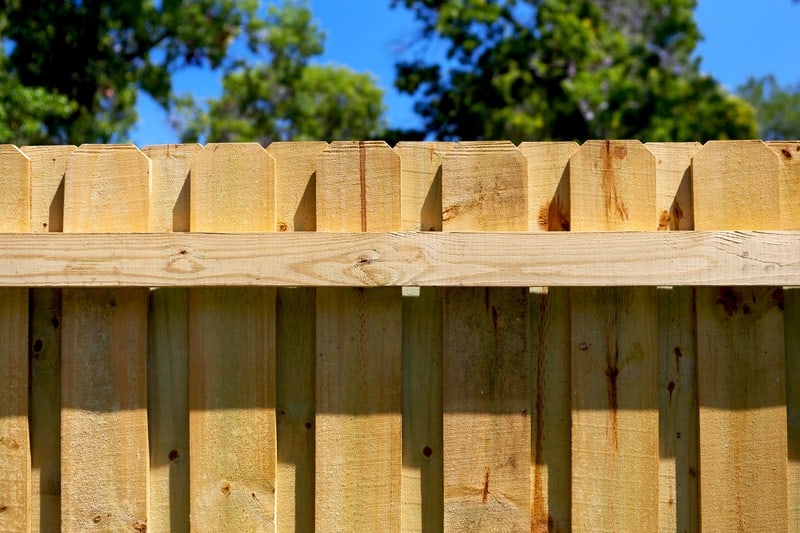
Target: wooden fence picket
15,462
359,351
421,205
677,363
232,441
104,443
789,154
549,210
740,351
614,351
485,362
295,208
168,348
350,337
48,165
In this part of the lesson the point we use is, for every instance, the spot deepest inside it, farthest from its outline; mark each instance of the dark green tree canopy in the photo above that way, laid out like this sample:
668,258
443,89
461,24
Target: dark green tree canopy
93,55
281,96
70,71
777,107
559,69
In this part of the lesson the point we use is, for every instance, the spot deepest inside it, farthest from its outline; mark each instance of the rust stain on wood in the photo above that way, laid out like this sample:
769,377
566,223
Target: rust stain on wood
613,203
551,216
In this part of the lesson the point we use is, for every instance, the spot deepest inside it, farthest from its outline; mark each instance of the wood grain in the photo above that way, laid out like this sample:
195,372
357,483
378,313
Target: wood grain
48,165
171,185
232,435
789,154
104,441
614,366
674,184
740,351
485,361
15,462
677,372
239,180
421,202
548,184
401,259
168,348
295,206
549,210
359,352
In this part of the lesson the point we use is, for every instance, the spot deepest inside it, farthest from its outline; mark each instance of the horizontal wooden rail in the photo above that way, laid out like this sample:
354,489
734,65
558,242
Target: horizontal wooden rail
401,259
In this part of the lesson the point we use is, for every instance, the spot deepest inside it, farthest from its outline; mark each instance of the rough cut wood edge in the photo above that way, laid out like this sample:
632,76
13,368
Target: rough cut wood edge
401,259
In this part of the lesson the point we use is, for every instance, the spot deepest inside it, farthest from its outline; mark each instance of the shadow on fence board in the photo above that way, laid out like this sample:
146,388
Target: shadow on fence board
493,409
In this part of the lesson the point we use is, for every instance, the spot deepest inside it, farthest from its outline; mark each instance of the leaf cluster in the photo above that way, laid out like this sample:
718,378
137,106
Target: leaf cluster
85,60
558,69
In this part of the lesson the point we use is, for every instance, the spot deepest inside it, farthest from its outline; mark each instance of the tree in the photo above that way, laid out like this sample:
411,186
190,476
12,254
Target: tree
280,96
777,107
90,57
558,69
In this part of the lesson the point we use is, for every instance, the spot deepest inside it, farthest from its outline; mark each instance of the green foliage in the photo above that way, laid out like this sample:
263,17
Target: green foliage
89,58
558,69
777,108
281,96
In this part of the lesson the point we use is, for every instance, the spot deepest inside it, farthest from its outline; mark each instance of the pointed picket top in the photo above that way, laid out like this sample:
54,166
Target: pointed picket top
232,188
360,173
169,198
484,187
295,183
789,154
735,185
613,187
674,184
118,176
15,189
548,184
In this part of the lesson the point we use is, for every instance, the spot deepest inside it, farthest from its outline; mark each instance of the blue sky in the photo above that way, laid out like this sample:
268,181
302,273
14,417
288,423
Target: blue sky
742,38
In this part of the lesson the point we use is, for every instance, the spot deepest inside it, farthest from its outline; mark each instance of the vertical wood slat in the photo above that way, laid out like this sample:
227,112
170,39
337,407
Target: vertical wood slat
232,441
295,207
549,210
48,165
614,367
485,361
15,463
104,448
359,351
740,351
789,154
168,349
677,379
421,206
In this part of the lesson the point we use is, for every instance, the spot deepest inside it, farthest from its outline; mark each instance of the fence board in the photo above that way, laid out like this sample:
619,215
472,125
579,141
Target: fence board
359,352
104,448
232,440
168,348
295,205
677,375
549,210
15,463
740,351
614,352
48,165
485,360
421,204
434,259
789,154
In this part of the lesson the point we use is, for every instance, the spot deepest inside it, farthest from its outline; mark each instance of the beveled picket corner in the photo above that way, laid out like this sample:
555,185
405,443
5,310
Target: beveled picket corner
216,337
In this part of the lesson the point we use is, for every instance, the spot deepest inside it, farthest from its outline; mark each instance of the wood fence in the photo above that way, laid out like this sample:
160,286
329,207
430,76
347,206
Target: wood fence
401,365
